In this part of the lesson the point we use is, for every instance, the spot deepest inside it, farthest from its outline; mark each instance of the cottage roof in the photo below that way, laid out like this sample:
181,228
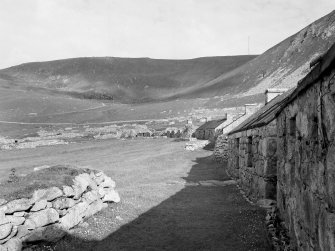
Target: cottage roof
321,66
264,115
211,124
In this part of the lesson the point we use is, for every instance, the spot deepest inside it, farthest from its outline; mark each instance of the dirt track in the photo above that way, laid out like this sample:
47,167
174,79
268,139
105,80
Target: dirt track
164,207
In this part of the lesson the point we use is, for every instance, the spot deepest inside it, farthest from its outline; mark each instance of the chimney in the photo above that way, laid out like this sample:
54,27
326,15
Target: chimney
230,117
272,93
250,108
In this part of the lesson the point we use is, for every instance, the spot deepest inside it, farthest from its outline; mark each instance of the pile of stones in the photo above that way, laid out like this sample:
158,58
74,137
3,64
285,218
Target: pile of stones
221,149
50,213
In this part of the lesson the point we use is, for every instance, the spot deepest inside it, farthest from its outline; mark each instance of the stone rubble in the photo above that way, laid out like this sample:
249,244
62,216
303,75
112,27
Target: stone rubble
50,213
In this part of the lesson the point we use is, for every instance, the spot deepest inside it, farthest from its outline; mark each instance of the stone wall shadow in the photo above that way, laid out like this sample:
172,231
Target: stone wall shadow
198,217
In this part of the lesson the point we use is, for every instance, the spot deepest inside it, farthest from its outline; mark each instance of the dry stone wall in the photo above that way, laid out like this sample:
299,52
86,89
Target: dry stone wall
252,160
51,212
306,167
221,148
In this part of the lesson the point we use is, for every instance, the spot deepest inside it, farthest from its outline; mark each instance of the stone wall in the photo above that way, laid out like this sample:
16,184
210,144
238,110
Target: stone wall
206,134
306,167
51,212
221,149
252,160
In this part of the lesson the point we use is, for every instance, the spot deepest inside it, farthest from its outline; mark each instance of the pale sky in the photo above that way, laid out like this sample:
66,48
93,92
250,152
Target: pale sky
40,30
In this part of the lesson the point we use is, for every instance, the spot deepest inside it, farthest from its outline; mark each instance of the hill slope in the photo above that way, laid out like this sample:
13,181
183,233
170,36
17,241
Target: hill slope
281,66
132,80
122,79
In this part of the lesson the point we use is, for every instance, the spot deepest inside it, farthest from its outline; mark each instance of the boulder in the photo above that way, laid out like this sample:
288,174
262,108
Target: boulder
48,194
13,244
91,196
102,191
68,191
22,232
85,181
95,207
111,196
19,214
42,218
74,215
5,230
3,219
108,182
39,205
99,179
16,206
16,220
13,232
63,203
78,189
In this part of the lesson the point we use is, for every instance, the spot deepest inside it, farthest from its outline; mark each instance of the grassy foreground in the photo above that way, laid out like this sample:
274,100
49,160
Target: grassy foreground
163,205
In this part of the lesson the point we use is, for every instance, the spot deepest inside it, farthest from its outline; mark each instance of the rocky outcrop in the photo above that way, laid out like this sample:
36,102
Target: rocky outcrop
51,212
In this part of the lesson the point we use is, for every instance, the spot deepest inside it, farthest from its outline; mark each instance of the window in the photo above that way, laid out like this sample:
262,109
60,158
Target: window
237,145
293,126
315,129
249,152
291,144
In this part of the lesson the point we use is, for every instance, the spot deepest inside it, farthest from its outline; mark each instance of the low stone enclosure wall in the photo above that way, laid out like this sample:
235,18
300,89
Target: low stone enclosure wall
48,214
252,160
306,166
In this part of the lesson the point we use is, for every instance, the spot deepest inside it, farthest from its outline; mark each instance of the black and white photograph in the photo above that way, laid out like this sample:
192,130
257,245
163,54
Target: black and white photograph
178,125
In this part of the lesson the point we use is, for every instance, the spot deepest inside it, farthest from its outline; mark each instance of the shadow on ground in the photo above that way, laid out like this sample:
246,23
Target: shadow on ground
196,218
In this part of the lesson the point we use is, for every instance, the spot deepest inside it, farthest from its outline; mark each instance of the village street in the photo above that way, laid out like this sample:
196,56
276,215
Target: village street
169,200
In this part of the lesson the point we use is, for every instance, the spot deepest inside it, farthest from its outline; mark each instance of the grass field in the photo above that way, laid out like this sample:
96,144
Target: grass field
163,206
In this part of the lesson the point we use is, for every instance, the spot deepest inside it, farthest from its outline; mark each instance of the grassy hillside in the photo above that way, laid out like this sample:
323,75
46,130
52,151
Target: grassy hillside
123,79
281,66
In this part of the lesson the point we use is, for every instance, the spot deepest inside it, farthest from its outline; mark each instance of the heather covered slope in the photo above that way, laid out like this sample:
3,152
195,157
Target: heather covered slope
123,79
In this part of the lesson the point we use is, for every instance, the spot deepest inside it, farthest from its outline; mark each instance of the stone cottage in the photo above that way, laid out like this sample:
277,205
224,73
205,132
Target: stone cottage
210,129
252,150
233,120
306,158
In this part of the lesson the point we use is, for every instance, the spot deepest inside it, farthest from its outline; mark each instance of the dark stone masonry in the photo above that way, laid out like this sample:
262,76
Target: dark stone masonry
306,165
286,152
252,159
